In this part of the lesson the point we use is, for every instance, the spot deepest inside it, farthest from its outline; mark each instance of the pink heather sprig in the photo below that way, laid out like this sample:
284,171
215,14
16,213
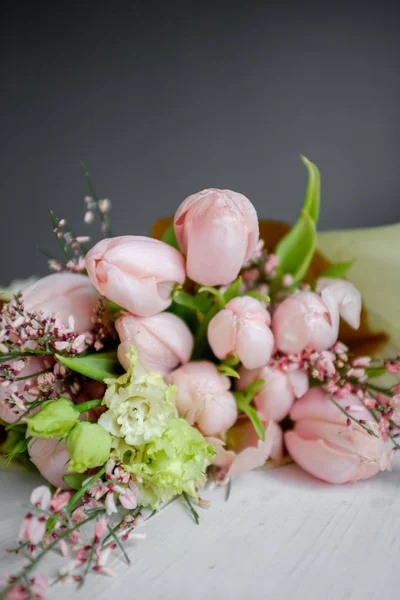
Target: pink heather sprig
30,333
341,376
260,274
103,330
95,205
59,522
26,333
71,246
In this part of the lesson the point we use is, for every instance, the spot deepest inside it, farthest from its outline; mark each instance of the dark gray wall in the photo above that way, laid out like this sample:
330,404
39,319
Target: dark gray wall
164,99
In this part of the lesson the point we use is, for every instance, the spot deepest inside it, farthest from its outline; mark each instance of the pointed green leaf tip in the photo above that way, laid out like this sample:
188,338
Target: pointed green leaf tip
98,366
296,249
313,192
338,270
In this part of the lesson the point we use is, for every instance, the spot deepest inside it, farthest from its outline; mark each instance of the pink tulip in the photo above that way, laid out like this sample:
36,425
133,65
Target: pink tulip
203,398
324,445
50,457
11,413
306,321
275,399
64,295
218,232
242,328
136,272
162,341
250,452
347,297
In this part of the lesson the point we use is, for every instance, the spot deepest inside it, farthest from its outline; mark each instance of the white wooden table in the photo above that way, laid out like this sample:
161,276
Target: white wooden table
281,534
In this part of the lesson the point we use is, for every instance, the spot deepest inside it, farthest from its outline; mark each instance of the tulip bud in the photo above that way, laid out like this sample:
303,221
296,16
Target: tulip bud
135,272
242,328
306,321
347,297
64,295
88,446
218,232
202,397
50,457
55,418
275,398
162,341
325,445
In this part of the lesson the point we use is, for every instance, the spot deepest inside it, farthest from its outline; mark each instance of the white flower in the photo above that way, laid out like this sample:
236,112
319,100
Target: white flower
140,404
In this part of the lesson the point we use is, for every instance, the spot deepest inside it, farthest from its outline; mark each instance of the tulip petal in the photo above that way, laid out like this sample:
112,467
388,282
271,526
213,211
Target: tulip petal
50,457
346,295
324,462
316,405
255,344
275,399
299,382
222,333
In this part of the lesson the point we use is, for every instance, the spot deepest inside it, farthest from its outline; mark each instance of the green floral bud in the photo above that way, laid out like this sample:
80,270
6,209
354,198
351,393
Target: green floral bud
55,418
88,446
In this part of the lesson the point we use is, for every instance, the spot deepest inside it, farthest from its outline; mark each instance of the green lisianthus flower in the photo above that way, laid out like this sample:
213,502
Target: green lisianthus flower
88,446
140,404
55,418
171,464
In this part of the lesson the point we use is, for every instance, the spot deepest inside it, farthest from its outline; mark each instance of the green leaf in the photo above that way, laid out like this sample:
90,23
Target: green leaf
258,296
296,249
169,237
233,290
227,370
198,303
338,270
313,191
75,480
19,448
98,366
372,372
252,389
113,307
251,412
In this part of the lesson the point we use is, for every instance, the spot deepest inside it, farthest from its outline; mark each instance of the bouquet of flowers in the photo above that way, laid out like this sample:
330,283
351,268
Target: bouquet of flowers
144,369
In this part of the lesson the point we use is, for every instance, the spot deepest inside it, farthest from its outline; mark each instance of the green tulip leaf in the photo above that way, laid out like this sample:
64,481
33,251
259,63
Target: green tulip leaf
339,269
98,366
75,480
251,412
169,237
312,198
233,290
296,249
198,303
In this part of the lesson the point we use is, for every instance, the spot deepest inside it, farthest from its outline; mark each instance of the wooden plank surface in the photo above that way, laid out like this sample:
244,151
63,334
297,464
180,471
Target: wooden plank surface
281,534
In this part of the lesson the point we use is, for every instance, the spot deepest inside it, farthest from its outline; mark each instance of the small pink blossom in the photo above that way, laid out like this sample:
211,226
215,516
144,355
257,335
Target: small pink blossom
100,528
59,500
128,497
41,497
393,367
110,504
361,361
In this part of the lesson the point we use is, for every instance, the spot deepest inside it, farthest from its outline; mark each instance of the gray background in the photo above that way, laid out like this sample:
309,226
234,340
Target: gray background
164,99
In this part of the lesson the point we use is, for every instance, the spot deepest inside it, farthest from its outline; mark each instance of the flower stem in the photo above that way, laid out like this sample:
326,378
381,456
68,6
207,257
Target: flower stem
26,570
349,416
85,406
83,489
192,510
